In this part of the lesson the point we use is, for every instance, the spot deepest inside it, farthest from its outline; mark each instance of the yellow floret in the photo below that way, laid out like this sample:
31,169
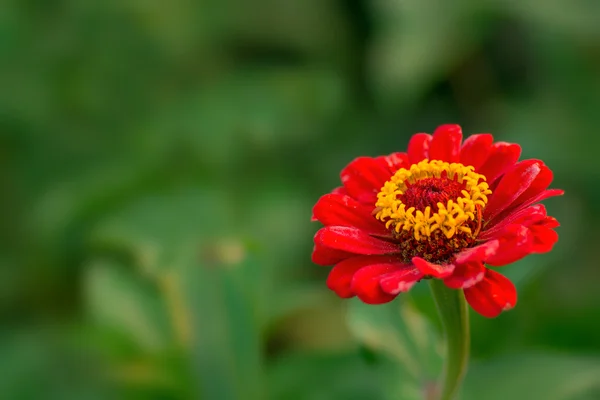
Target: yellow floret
450,218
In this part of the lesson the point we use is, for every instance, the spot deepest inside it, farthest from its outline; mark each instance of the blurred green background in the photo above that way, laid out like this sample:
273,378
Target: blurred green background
159,162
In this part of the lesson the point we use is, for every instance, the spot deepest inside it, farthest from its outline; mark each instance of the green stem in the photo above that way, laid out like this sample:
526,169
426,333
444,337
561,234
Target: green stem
452,308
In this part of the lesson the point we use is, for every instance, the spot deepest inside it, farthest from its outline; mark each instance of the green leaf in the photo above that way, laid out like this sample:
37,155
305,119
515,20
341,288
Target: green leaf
567,19
410,53
399,332
534,376
39,362
316,376
313,27
207,284
273,107
225,343
119,299
152,229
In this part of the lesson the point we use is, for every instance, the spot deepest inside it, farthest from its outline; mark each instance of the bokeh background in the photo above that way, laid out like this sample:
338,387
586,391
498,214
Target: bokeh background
158,166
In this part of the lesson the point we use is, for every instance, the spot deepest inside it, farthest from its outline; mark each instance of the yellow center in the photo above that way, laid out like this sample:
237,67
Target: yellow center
450,218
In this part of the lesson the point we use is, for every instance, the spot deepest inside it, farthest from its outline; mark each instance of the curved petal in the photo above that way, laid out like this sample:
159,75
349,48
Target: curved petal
418,147
340,276
477,253
340,210
365,283
401,280
338,190
394,161
324,256
512,184
541,196
535,212
551,222
534,193
544,237
494,294
515,242
531,231
466,275
445,145
364,177
502,156
431,269
352,240
541,227
476,149
541,182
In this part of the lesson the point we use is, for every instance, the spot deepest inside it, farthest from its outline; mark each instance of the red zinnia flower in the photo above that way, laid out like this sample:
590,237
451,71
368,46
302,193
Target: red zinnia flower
441,210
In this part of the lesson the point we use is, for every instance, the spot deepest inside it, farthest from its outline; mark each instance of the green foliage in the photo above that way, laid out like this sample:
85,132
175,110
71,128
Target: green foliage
159,163
544,376
407,340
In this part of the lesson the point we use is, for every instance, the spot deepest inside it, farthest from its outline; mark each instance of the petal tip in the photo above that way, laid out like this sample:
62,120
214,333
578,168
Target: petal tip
431,269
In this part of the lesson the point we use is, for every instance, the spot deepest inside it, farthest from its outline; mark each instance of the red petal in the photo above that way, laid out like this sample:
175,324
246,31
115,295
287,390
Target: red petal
544,238
536,212
445,145
477,253
394,161
466,275
340,277
502,156
541,183
494,294
516,241
435,270
335,209
337,190
364,177
325,256
418,147
541,196
512,184
534,190
365,283
535,215
401,280
507,214
534,219
352,240
551,222
476,149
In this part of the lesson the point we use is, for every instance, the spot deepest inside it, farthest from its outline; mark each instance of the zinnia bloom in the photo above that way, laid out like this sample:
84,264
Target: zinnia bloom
442,210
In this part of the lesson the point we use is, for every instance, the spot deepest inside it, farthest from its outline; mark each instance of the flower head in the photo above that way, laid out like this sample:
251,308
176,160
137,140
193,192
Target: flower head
441,210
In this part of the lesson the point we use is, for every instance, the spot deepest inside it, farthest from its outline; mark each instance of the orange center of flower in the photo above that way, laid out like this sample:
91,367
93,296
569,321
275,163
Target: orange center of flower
434,208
